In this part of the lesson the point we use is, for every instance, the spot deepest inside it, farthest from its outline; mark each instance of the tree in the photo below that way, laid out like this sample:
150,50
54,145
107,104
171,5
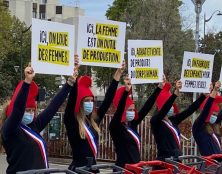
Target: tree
14,45
5,48
117,9
212,44
155,20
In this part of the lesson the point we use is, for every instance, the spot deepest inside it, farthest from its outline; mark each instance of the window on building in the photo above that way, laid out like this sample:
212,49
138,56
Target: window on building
6,3
34,14
42,11
34,10
41,15
58,9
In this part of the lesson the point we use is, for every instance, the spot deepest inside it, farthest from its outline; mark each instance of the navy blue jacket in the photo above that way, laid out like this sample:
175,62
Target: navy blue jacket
167,144
23,153
125,146
81,147
206,142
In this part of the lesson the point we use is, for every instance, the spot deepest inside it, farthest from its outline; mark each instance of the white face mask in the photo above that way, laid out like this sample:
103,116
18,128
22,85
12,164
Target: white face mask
213,119
130,115
170,112
88,107
27,118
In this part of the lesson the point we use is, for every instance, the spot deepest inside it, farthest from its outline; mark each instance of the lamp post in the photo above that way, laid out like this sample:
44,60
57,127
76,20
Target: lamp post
21,58
207,20
198,8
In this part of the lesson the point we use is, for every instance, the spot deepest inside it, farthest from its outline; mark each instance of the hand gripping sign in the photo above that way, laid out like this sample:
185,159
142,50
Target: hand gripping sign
52,47
145,61
101,42
197,72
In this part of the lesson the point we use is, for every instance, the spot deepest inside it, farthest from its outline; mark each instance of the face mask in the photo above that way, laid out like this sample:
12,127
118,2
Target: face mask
88,107
130,115
213,119
170,112
27,118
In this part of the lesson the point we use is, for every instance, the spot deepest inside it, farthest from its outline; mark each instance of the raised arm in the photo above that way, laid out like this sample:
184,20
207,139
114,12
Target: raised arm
12,123
178,118
156,119
121,107
45,116
147,106
110,93
69,117
206,110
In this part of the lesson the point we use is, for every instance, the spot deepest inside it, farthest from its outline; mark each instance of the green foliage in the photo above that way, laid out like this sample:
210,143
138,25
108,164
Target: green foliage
212,44
104,76
15,47
155,20
6,49
117,9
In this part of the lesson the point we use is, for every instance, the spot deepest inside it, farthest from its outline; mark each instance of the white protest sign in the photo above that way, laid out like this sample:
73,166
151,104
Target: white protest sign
145,61
52,47
221,75
196,72
101,42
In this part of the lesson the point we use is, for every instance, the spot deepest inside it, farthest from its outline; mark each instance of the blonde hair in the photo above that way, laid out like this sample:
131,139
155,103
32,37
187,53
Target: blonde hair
217,130
81,118
213,128
3,117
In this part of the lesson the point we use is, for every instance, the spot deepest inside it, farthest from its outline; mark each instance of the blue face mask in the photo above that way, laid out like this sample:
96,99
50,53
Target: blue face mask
170,112
27,118
88,107
213,119
130,115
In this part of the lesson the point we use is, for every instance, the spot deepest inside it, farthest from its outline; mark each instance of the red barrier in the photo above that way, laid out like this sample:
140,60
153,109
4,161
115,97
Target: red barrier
166,168
213,158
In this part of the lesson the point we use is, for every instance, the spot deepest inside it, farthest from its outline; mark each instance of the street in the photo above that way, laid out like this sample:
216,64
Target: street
3,165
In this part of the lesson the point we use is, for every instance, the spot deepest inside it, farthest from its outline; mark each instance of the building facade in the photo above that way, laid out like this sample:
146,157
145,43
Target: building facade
50,10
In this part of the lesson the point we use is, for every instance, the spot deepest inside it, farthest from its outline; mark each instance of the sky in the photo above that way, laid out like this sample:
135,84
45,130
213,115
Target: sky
93,8
209,6
97,9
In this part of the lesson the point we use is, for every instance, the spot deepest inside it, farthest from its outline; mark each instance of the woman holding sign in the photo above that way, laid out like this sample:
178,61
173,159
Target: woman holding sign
123,127
164,124
24,146
203,129
82,120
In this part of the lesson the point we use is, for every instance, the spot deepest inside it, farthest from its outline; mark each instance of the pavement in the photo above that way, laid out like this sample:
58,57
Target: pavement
53,163
59,163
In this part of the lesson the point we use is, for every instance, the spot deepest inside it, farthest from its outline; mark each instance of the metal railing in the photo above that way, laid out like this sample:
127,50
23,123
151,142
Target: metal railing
60,147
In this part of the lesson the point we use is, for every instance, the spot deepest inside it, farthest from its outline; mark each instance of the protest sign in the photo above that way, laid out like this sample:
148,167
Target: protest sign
145,61
196,72
221,75
101,42
52,47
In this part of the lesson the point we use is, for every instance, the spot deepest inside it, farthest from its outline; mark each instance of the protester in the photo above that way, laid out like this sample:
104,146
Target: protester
203,128
126,119
2,120
82,120
24,146
164,124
